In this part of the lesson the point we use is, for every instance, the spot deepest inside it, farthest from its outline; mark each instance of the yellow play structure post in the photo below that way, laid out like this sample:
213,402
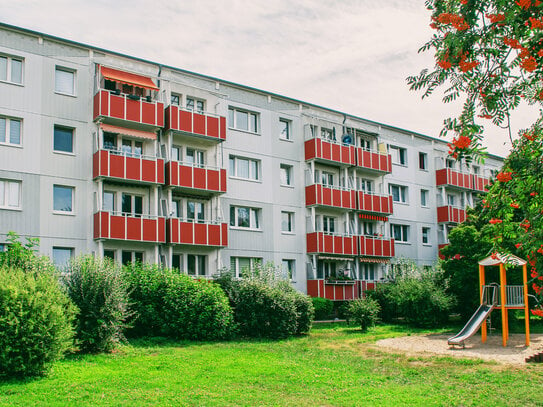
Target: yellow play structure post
506,303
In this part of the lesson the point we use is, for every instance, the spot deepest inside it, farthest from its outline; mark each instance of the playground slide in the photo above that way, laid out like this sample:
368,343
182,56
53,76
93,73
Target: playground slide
473,324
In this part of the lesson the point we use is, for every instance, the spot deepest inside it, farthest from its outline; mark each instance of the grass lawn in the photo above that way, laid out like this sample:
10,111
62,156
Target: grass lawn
335,365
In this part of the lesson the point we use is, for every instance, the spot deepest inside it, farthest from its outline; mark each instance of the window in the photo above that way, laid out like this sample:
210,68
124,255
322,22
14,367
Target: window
62,255
132,205
423,161
398,192
367,228
327,179
328,134
284,129
177,262
450,163
199,104
245,168
367,271
400,233
176,153
287,222
128,257
11,69
195,211
365,185
132,147
450,200
243,120
109,254
196,265
175,99
110,141
326,269
328,224
285,174
10,131
10,194
108,201
244,265
365,143
424,193
398,154
176,209
63,198
425,235
64,81
63,139
243,217
195,158
476,170
289,267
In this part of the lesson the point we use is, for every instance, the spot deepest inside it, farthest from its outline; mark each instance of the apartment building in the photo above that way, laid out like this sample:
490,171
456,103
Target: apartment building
130,159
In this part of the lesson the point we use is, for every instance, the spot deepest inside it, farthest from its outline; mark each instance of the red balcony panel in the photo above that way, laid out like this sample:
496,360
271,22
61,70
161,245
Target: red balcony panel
213,181
107,104
116,107
326,196
212,126
479,183
349,292
149,230
185,121
450,214
319,242
222,127
326,150
214,235
186,233
117,227
439,247
370,246
318,194
199,178
336,197
373,160
132,168
338,245
224,234
203,179
374,203
313,288
133,228
199,124
149,114
201,234
133,110
335,292
447,176
108,226
112,165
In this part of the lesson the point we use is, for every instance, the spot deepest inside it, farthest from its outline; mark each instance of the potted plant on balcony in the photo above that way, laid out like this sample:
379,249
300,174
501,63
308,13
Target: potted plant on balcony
341,276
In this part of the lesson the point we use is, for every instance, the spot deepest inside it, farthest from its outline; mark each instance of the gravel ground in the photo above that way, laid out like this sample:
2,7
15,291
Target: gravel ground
514,353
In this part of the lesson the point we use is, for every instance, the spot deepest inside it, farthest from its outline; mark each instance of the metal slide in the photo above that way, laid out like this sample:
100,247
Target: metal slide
478,317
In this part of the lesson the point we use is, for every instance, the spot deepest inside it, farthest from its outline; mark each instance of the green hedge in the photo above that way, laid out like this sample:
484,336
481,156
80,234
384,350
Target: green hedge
35,322
323,308
364,312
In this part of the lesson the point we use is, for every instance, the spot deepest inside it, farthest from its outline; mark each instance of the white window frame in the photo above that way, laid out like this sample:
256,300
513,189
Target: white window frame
179,97
329,224
133,147
403,193
285,129
7,131
398,154
287,225
200,261
71,251
235,260
58,89
192,104
423,159
365,185
9,69
424,198
114,195
288,266
198,157
253,120
254,218
72,130
254,173
287,170
133,197
425,236
133,255
451,200
368,272
8,188
403,233
60,211
327,178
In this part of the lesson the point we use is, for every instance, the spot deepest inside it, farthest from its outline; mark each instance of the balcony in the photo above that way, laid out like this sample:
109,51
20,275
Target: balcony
450,214
320,242
455,179
189,177
181,231
113,164
479,183
204,125
330,152
373,160
376,247
374,203
119,108
118,226
324,195
335,292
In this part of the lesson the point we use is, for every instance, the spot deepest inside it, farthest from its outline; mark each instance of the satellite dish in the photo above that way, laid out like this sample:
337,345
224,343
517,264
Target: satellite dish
347,139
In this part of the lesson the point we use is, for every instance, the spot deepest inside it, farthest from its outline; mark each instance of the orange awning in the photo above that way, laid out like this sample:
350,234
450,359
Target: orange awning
149,135
128,78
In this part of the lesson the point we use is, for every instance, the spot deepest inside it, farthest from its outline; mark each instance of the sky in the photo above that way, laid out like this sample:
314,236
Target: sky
348,55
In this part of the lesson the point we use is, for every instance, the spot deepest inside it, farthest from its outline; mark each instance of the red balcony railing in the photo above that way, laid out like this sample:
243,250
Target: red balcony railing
375,246
373,160
479,183
201,234
329,151
122,107
143,228
318,194
200,124
320,242
453,178
190,177
111,164
450,214
335,292
381,204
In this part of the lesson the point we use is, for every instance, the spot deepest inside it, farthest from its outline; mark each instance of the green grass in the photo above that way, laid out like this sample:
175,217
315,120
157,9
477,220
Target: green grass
334,366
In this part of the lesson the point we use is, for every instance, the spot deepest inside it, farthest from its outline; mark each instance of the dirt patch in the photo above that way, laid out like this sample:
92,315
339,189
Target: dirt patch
515,352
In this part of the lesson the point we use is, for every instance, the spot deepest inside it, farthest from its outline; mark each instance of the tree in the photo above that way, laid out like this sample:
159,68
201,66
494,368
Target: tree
490,53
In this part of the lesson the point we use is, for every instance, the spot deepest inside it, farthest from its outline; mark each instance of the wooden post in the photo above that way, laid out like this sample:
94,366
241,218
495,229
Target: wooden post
503,300
526,311
481,289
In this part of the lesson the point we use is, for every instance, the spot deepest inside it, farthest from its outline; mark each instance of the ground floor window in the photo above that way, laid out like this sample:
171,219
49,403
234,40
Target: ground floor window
62,255
289,267
367,271
109,254
242,265
131,257
196,265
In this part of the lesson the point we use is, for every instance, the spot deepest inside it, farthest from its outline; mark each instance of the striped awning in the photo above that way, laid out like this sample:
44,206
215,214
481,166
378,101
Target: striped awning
374,260
128,78
372,217
336,258
148,135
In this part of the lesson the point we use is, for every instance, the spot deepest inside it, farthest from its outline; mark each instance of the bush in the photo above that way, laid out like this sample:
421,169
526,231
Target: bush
35,322
323,308
305,313
388,307
364,312
99,290
167,303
